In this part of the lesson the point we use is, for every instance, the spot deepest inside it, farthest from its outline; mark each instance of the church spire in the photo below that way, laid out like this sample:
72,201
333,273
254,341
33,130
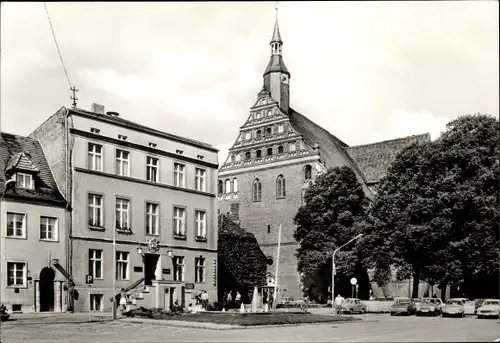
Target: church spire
276,42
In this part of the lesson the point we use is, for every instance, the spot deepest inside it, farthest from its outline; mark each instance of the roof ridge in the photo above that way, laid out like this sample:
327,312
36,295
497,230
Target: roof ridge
390,140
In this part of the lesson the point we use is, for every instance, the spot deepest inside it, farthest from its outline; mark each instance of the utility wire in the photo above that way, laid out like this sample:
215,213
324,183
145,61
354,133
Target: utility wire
57,45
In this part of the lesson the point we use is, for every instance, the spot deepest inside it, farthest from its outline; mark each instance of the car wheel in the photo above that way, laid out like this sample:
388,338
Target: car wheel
392,314
444,315
479,317
363,311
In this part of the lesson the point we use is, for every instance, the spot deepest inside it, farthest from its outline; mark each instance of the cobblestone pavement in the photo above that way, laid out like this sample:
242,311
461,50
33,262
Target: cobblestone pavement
375,328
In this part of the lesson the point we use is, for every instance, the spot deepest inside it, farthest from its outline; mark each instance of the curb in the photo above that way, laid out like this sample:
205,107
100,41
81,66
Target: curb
223,327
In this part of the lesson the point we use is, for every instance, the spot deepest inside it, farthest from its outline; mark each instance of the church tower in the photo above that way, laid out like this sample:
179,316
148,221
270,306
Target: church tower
277,76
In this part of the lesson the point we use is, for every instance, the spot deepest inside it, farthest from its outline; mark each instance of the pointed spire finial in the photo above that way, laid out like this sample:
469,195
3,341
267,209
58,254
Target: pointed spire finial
276,33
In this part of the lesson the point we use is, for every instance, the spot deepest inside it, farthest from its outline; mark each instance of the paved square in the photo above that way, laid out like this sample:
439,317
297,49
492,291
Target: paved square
375,328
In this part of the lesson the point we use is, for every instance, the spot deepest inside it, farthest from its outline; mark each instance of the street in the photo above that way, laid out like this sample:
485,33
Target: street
375,328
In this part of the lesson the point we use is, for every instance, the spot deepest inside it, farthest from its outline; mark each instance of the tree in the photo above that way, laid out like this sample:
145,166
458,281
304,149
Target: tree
436,210
334,212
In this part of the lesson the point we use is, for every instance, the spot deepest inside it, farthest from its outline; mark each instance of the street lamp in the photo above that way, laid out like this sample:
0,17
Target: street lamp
333,268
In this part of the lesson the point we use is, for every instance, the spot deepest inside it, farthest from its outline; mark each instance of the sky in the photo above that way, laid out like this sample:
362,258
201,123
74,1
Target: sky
365,71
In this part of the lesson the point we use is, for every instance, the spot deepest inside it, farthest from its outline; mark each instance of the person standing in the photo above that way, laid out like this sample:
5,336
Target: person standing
338,304
229,300
204,299
238,300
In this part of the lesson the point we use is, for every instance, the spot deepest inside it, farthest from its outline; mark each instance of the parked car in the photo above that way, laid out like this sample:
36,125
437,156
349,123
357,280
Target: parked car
489,309
4,315
454,308
403,305
429,306
353,305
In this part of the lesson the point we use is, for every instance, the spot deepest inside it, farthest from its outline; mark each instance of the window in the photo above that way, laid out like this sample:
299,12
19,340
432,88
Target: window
200,180
220,187
122,214
16,225
269,229
122,137
95,157
200,157
180,152
199,269
96,302
258,153
280,186
269,151
248,136
264,101
258,134
179,221
48,228
280,149
153,145
257,115
291,147
179,174
233,158
235,185
178,268
269,131
25,181
152,169
307,172
94,130
95,210
122,163
256,190
95,263
269,113
227,183
16,274
248,155
122,264
201,224
281,129
151,219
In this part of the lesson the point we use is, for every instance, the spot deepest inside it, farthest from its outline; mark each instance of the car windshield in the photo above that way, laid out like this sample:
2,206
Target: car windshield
402,301
491,302
454,302
429,301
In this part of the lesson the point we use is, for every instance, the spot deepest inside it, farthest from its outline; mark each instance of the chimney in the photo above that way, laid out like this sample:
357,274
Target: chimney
96,108
114,114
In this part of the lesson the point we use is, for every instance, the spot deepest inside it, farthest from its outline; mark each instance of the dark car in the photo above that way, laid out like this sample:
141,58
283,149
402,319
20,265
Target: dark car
403,306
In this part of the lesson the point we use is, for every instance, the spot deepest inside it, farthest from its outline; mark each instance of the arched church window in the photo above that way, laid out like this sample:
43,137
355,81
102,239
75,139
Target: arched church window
248,155
238,157
269,151
269,131
256,190
248,136
258,154
307,172
281,129
220,187
233,158
291,147
269,113
228,186
257,115
280,187
280,149
258,134
235,184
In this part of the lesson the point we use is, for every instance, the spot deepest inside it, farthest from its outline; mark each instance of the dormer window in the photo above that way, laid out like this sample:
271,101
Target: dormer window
24,180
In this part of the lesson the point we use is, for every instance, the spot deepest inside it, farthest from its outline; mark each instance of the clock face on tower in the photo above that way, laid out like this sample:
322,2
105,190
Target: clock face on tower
284,79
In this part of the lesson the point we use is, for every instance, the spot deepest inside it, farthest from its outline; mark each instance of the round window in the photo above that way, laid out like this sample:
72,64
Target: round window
269,261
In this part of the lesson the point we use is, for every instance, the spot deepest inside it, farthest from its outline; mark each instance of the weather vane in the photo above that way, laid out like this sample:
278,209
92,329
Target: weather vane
73,97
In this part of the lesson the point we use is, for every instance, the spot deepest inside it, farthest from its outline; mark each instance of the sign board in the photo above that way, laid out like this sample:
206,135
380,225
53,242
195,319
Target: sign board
354,281
166,271
189,285
138,269
89,279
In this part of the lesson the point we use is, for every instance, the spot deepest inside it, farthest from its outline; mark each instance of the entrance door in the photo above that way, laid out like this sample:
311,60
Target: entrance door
172,295
46,287
183,295
150,263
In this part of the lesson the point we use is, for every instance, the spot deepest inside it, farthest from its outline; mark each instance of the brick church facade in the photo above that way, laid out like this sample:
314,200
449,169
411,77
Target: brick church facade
278,152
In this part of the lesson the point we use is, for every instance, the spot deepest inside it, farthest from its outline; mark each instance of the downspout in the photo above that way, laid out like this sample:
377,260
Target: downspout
69,215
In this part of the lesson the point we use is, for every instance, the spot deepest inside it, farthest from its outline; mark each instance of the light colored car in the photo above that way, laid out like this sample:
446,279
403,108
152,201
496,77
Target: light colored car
490,308
454,308
403,305
429,306
353,305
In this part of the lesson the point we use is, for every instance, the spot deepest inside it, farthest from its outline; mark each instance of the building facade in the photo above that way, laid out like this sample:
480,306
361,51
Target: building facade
277,154
33,241
152,193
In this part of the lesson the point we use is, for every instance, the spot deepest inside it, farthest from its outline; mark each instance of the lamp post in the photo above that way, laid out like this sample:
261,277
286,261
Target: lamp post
333,268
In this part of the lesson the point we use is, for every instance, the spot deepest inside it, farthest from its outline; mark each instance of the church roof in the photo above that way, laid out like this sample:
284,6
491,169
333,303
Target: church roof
239,252
26,152
276,32
374,159
276,63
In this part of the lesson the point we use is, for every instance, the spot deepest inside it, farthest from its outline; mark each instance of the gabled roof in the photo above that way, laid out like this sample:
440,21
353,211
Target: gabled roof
12,149
134,126
22,161
374,159
239,252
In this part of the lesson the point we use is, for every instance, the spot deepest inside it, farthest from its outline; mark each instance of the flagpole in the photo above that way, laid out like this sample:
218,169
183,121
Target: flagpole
275,295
